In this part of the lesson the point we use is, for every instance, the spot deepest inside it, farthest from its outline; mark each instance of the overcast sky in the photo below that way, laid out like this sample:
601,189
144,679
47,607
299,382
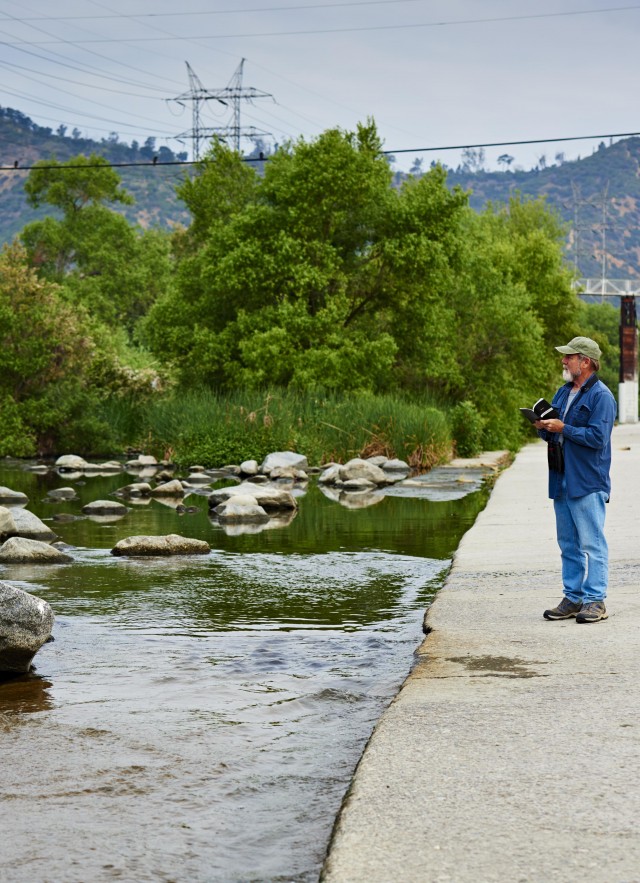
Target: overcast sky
432,73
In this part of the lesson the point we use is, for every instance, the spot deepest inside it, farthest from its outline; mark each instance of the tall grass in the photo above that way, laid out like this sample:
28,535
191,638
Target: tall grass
213,429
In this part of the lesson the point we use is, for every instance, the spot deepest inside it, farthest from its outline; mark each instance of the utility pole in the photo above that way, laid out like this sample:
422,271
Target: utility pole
230,96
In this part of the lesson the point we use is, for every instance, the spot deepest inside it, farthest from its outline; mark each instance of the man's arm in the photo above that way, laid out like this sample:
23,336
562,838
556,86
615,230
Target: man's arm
597,432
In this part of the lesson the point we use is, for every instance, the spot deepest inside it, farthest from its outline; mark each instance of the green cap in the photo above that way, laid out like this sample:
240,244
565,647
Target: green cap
583,345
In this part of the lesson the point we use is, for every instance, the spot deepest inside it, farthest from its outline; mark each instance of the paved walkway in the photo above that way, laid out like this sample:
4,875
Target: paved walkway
512,752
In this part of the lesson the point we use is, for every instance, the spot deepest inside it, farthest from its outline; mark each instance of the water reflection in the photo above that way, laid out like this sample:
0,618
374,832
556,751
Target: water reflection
22,694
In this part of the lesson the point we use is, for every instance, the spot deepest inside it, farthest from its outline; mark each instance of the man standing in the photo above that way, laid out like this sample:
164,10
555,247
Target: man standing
579,483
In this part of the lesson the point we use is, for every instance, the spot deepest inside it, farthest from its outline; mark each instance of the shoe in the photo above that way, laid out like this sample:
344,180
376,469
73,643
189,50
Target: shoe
565,610
594,611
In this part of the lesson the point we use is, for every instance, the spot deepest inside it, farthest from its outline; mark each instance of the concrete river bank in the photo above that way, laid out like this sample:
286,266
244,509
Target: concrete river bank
512,751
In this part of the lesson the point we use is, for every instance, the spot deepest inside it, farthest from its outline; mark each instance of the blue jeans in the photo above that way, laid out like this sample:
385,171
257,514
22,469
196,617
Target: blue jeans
583,547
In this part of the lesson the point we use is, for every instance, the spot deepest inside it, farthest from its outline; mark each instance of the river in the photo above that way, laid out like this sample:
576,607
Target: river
199,719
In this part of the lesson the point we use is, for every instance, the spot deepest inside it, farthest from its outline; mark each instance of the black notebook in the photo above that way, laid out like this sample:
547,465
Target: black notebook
542,410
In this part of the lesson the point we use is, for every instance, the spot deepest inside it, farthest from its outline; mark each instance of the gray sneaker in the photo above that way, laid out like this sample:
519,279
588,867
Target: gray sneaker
594,611
565,610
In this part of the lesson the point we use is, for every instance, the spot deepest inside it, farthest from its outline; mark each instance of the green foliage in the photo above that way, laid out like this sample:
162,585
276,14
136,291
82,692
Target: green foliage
44,352
467,425
100,261
74,185
302,278
213,429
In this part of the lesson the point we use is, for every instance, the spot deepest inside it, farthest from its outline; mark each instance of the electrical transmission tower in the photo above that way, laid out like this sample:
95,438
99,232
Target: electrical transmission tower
231,96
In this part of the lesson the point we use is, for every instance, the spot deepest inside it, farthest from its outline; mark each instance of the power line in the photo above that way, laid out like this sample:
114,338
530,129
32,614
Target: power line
205,12
432,24
18,167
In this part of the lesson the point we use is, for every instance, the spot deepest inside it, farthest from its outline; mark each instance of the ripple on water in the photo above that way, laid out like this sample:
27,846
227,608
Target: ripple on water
235,730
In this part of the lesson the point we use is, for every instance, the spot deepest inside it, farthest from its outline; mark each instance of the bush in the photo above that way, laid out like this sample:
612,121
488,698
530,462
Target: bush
467,426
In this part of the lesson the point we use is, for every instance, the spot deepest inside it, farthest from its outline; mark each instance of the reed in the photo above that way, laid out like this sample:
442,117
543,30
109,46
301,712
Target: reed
215,429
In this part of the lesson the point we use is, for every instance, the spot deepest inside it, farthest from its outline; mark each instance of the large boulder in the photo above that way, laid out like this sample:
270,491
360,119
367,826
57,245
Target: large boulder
25,625
282,460
358,468
30,526
12,498
18,550
241,509
172,544
267,497
105,507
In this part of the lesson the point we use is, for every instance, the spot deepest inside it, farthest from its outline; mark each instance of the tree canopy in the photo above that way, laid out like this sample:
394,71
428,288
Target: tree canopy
321,274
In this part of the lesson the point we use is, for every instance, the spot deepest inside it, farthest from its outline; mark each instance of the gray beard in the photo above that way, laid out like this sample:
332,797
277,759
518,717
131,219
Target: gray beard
567,375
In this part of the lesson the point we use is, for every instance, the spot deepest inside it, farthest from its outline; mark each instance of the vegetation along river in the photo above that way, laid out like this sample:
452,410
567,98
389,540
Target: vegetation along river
199,719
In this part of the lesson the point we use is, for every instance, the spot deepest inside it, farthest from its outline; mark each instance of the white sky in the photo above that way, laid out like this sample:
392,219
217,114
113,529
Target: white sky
431,72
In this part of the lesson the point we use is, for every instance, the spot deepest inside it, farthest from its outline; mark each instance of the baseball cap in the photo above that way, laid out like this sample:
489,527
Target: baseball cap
583,345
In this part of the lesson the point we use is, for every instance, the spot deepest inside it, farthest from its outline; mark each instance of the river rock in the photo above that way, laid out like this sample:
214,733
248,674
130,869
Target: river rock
136,489
169,489
30,526
249,467
396,465
267,497
141,461
13,498
7,523
109,466
331,475
358,468
288,472
71,461
377,460
26,623
358,484
241,508
18,550
62,493
198,478
105,507
283,459
172,544
196,468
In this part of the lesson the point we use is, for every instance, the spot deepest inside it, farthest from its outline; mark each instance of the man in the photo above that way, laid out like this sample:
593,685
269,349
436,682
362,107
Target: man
579,483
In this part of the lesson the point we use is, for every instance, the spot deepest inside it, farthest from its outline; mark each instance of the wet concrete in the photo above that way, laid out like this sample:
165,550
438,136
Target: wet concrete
511,752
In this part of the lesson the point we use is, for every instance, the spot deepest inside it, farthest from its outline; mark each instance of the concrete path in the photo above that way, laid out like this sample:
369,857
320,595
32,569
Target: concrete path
512,752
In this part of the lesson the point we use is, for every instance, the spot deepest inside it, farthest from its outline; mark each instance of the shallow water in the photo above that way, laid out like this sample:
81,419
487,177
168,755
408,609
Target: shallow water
199,719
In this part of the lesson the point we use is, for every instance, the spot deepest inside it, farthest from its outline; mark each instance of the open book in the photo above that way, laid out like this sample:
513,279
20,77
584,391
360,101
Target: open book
542,410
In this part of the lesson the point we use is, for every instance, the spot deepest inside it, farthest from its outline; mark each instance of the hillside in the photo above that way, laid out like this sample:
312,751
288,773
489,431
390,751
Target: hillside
153,187
602,187
598,196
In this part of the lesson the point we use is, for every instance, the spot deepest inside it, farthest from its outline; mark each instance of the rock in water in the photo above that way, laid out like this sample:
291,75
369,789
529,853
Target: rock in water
172,544
19,550
25,625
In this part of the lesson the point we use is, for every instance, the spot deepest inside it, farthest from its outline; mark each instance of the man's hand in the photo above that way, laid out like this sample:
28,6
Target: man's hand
553,425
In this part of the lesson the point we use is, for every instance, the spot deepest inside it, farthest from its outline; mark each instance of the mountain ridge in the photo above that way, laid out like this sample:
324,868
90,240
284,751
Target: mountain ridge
597,196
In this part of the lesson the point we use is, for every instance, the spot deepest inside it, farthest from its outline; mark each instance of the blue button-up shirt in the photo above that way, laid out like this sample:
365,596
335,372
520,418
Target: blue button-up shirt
587,439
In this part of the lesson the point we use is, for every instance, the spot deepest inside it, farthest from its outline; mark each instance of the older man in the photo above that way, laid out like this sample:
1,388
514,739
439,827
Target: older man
579,462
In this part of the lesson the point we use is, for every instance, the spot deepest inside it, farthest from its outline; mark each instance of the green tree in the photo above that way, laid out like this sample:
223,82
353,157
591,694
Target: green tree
101,262
45,354
295,277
